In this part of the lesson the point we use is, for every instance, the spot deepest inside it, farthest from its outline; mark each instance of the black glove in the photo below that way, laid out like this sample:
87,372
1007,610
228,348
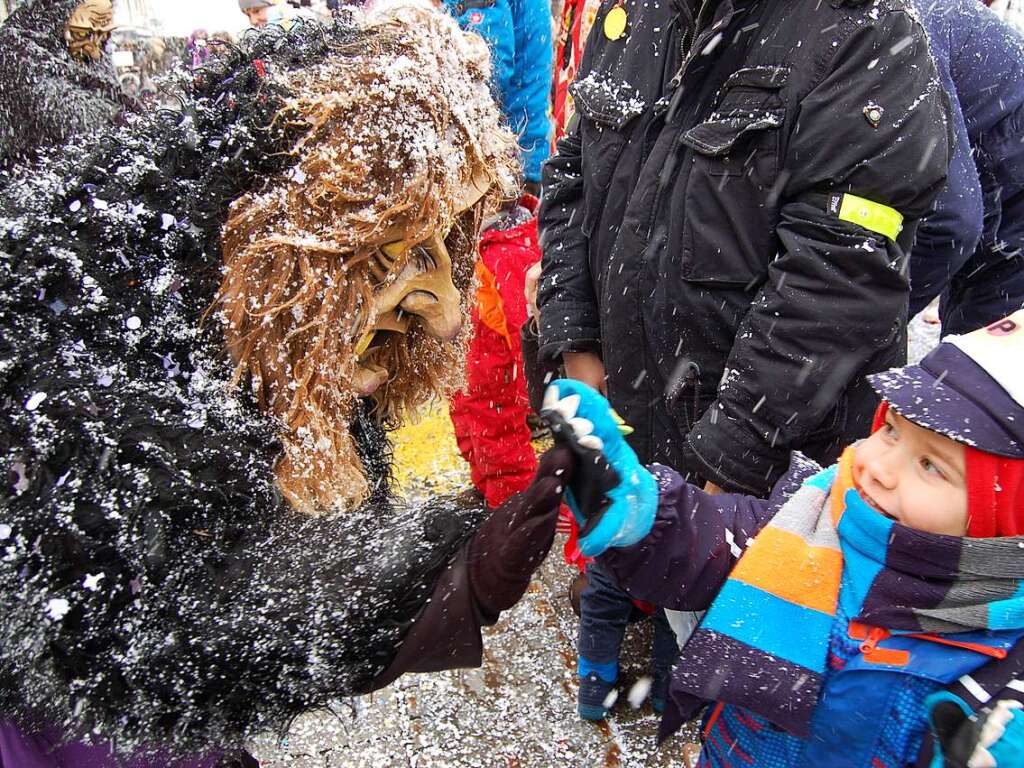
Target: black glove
513,542
593,479
991,738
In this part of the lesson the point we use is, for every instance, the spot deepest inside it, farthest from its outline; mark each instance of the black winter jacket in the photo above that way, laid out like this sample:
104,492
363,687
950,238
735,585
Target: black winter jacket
46,96
687,229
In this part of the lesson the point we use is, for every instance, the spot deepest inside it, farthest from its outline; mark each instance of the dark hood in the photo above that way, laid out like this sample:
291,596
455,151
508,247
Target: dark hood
43,21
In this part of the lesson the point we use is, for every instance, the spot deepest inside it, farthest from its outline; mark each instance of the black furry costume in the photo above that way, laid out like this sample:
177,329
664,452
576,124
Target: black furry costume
46,95
127,452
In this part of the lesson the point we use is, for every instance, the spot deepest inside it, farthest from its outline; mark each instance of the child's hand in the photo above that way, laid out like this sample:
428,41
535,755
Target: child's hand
992,738
612,496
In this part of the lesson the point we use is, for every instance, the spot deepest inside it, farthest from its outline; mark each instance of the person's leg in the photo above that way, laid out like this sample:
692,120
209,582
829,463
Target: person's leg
604,614
663,654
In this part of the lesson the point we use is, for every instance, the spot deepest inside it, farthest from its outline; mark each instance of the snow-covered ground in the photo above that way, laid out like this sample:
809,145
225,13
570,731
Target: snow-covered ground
923,336
518,710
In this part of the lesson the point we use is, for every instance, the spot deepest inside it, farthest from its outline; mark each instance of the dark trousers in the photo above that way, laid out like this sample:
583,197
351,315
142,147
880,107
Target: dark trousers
537,372
605,611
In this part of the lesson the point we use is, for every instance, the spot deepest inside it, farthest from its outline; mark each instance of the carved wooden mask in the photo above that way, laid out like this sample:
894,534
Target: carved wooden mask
89,28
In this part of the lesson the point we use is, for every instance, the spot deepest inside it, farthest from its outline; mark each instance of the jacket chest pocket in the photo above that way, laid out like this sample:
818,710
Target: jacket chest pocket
729,208
606,107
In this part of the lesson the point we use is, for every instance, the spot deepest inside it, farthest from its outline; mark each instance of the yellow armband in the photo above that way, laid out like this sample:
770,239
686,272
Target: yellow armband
868,214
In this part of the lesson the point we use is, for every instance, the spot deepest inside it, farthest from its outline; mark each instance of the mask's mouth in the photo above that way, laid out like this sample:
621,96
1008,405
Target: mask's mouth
370,374
421,290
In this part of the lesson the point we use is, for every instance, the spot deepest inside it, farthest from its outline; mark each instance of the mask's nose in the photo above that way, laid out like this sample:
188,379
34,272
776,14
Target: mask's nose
432,296
441,316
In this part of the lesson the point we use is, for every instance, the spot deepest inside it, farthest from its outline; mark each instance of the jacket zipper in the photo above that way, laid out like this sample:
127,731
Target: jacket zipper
872,636
686,49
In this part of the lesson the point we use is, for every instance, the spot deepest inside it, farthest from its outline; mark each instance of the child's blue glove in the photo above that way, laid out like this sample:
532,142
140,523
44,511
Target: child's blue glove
611,495
992,738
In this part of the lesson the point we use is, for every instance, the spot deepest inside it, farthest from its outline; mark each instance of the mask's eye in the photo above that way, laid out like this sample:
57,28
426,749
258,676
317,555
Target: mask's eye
394,250
422,259
383,261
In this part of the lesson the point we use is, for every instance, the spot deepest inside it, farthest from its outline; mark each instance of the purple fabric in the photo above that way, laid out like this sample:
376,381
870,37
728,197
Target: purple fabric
934,559
929,555
686,558
44,750
712,656
950,394
891,591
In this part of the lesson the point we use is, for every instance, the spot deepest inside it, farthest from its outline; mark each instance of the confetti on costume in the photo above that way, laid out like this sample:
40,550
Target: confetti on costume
212,317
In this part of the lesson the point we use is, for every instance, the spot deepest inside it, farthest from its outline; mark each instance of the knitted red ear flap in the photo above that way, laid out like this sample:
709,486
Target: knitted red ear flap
879,421
980,472
995,494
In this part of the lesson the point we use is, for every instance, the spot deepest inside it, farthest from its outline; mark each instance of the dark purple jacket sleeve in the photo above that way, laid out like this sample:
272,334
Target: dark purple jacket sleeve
446,635
696,539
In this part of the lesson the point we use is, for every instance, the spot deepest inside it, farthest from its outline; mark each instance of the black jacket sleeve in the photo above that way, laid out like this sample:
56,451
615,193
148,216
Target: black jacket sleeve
836,293
568,307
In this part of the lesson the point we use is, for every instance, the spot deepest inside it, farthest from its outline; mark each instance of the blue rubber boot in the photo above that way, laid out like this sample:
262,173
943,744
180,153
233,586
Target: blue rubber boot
593,696
659,689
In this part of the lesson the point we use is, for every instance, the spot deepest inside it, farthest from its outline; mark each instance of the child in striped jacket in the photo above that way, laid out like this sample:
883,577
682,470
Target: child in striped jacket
867,614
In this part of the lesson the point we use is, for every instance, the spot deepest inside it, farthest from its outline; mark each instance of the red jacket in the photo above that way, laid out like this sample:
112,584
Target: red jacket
489,415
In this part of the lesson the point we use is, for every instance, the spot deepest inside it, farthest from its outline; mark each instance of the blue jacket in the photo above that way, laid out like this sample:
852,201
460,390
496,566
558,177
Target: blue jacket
870,712
969,248
519,34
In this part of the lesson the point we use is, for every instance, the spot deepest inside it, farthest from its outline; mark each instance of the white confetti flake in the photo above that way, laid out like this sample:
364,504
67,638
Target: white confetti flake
610,699
92,581
100,205
134,323
5,531
76,206
167,221
57,608
638,692
19,469
35,401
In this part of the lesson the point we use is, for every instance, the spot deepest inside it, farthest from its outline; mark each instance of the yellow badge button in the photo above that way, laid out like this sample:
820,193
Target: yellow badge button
615,23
